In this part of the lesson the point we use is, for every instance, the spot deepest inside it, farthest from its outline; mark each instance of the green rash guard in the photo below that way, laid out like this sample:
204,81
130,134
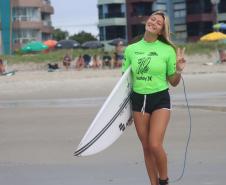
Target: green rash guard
151,63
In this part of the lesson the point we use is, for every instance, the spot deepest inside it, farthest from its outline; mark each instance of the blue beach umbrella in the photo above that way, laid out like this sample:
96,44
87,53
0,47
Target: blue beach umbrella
220,26
116,41
95,44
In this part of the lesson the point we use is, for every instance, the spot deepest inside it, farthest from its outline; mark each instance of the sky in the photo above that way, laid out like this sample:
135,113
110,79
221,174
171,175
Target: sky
75,16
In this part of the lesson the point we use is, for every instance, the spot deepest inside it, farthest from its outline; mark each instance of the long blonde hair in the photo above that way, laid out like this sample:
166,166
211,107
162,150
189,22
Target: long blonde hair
165,36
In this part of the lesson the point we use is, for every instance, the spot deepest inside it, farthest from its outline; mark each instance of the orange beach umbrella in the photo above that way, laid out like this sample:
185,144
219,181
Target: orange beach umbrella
50,43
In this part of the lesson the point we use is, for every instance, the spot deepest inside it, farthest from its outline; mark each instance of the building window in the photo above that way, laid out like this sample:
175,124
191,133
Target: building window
113,32
199,28
199,6
222,6
141,9
161,7
137,29
114,10
179,6
46,36
179,13
26,14
24,35
180,27
48,2
100,12
101,31
181,35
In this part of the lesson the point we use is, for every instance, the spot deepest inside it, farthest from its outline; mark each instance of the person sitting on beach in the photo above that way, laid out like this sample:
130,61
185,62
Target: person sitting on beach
96,62
80,63
87,60
118,55
4,71
222,54
2,67
117,60
106,60
67,61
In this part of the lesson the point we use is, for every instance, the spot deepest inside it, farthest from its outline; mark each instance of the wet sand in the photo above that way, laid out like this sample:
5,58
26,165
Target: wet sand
44,116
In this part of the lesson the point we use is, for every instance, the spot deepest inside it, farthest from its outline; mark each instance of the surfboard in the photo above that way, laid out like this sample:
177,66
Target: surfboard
111,120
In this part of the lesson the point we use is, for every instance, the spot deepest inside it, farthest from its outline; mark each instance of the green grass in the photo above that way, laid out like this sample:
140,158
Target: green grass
52,56
202,48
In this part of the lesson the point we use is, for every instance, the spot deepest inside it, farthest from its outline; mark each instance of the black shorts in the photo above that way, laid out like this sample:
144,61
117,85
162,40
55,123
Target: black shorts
153,101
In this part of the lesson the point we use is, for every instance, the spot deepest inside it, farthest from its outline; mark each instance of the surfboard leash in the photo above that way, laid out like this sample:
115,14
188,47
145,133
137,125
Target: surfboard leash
189,135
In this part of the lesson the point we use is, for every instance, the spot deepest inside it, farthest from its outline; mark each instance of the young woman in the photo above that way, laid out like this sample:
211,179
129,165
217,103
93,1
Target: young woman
80,63
154,64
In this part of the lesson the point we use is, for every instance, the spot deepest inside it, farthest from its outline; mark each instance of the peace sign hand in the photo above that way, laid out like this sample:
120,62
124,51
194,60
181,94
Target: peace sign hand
180,60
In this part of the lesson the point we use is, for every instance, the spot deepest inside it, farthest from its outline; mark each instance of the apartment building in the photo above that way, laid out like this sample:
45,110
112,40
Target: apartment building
138,12
202,15
190,19
23,21
126,18
112,19
221,12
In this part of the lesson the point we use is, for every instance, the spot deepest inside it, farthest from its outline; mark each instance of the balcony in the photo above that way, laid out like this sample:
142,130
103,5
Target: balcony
47,23
200,17
26,3
46,8
112,21
110,1
27,25
48,2
47,27
114,15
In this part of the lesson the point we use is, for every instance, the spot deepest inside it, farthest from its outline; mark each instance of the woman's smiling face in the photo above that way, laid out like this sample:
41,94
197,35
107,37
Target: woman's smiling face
155,24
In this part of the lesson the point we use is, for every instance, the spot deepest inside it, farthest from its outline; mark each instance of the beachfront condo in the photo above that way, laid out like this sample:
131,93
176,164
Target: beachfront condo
23,21
189,19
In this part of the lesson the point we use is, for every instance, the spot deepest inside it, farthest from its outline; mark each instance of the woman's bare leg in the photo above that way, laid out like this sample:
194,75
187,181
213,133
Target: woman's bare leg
158,123
142,124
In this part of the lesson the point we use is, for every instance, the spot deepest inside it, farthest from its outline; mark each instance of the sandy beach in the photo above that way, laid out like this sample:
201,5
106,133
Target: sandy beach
43,116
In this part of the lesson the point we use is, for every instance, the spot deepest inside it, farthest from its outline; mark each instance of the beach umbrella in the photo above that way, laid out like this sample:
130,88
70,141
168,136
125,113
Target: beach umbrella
34,46
214,36
117,41
92,44
67,44
50,43
220,26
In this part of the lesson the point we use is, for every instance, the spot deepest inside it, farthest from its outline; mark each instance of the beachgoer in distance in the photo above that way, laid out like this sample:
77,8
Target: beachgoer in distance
154,64
222,54
2,67
118,55
106,59
80,63
96,62
67,61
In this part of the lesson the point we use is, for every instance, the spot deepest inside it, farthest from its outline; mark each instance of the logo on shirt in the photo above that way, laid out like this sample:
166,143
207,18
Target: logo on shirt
138,53
152,53
143,65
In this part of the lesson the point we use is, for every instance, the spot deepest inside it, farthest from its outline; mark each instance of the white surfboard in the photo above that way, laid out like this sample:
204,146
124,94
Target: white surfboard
111,121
